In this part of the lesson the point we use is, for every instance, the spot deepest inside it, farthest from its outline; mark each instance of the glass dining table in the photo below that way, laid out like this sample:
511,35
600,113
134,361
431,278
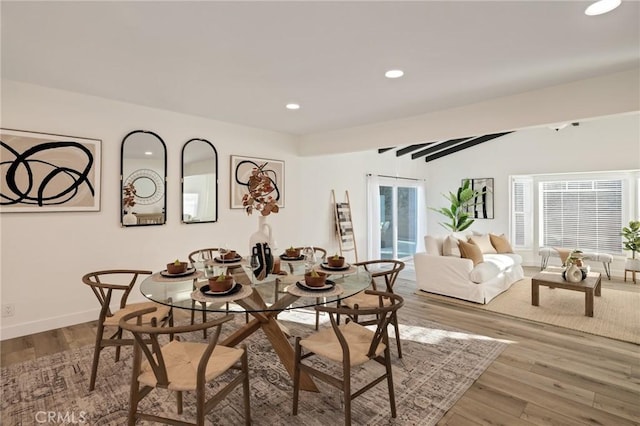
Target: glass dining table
262,300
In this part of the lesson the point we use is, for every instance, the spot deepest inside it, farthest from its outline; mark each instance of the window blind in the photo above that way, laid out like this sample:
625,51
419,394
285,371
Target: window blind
584,214
521,212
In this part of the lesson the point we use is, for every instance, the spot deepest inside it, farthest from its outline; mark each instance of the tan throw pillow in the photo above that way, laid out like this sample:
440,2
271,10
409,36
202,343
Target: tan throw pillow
501,243
471,251
483,242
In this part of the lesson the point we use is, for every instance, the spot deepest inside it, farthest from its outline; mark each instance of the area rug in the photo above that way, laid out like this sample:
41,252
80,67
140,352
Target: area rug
439,364
616,313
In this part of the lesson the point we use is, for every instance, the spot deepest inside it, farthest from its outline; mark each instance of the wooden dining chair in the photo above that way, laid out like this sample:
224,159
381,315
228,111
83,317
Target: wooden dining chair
384,273
182,366
104,284
209,254
350,345
322,258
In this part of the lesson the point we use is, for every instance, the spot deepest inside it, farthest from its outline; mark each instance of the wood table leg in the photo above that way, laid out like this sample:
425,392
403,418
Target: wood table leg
535,293
268,322
588,302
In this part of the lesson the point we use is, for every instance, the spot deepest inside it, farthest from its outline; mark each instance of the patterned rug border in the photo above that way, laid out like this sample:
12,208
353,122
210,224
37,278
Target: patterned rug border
440,363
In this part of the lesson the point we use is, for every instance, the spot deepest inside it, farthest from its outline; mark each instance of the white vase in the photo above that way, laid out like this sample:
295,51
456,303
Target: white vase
574,273
262,235
129,218
632,264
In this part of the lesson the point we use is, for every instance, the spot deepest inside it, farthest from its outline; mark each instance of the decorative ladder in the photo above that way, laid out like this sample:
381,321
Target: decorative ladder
344,226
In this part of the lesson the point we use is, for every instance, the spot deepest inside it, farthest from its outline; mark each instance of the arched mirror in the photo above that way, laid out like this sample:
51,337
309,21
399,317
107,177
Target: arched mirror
143,176
199,182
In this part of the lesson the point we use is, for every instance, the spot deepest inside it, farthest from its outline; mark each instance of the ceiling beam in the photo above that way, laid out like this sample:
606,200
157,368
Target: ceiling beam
465,145
381,150
411,148
437,147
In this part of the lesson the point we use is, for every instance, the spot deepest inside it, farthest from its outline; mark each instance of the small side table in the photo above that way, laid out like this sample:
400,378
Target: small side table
633,275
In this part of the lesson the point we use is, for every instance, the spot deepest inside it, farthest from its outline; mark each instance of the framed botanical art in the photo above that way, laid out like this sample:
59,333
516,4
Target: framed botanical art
48,173
482,206
241,168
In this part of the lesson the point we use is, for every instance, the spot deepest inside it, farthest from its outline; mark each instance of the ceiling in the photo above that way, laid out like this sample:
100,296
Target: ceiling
241,62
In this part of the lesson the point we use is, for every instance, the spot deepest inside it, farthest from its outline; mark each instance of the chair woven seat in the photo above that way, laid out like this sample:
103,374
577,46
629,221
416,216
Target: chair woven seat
325,343
159,314
181,360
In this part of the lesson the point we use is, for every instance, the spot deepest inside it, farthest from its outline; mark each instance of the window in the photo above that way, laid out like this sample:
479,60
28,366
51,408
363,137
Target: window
573,210
585,214
522,211
396,217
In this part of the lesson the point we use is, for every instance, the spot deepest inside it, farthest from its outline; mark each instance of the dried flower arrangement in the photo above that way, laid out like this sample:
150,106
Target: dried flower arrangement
129,199
260,187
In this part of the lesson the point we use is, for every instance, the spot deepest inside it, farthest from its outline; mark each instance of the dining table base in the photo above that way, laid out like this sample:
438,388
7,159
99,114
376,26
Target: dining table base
268,322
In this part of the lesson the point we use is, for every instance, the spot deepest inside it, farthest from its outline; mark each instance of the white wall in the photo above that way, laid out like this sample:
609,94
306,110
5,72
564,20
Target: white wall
610,143
44,255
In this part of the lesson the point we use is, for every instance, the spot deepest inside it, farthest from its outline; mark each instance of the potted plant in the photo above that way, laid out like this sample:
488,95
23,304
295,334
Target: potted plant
631,235
458,211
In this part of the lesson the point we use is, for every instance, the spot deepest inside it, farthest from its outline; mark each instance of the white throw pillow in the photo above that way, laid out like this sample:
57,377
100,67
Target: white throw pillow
483,242
450,246
484,272
432,246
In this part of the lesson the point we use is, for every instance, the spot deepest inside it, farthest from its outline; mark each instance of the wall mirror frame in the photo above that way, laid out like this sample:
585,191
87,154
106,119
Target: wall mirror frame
143,169
199,182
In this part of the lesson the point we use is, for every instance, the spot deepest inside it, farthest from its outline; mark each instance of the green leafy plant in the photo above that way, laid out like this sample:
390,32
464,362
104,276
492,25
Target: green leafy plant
461,201
631,234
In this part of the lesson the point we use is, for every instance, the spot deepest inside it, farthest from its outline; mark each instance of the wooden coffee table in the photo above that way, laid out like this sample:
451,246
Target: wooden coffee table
552,278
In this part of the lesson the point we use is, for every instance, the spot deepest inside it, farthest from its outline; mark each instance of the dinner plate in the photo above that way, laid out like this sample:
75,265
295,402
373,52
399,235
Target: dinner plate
328,285
235,259
285,257
234,289
326,266
189,271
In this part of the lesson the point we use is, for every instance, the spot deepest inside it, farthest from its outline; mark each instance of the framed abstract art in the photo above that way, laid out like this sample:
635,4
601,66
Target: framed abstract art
48,173
241,168
482,207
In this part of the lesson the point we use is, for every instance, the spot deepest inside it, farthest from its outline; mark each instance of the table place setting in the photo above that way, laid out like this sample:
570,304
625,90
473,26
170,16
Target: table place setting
177,271
336,270
314,284
211,293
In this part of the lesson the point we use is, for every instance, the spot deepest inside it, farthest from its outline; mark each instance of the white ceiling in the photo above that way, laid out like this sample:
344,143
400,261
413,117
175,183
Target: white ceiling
241,62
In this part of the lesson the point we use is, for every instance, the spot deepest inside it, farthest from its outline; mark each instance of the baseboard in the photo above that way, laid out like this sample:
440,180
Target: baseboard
18,330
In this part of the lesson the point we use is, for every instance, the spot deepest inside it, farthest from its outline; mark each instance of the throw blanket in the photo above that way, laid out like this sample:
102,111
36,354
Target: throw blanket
563,252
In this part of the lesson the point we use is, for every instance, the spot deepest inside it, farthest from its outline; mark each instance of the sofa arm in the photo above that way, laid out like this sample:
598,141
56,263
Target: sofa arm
438,271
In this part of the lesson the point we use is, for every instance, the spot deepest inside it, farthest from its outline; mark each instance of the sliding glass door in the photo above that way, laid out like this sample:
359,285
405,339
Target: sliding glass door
396,217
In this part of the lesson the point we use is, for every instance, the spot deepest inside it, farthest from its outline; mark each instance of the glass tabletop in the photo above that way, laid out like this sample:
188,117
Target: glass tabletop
270,294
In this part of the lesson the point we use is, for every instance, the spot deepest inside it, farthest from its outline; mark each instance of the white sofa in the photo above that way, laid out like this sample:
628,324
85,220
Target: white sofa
454,276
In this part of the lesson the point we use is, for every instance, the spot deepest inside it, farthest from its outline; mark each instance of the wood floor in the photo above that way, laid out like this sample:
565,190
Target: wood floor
546,376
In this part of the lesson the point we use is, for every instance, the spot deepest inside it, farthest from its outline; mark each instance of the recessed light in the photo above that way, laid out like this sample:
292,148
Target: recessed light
602,6
293,106
394,73
148,153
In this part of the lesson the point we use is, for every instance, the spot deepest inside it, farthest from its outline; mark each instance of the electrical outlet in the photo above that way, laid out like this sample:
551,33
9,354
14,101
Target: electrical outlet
8,310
